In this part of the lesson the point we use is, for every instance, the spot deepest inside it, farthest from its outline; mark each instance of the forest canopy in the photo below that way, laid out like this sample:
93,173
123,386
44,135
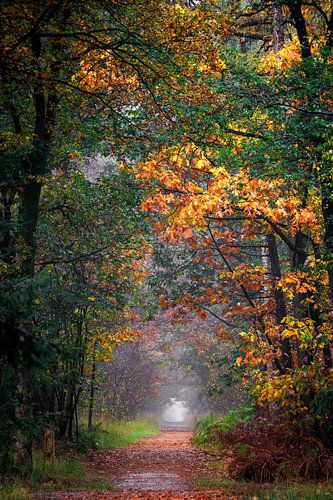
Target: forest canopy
164,156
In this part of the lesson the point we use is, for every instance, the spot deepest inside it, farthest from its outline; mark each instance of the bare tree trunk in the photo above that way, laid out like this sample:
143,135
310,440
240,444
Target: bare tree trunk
92,391
327,208
281,310
278,28
22,450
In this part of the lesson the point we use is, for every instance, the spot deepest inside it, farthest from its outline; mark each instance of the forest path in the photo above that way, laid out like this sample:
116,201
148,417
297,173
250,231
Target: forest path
164,466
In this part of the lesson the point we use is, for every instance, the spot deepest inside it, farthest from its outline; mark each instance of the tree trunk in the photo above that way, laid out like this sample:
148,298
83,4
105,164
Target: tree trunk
70,410
6,245
278,28
28,217
92,391
22,450
327,208
281,310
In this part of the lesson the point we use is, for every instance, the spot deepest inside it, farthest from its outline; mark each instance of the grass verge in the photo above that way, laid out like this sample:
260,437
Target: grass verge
67,471
276,491
118,434
12,490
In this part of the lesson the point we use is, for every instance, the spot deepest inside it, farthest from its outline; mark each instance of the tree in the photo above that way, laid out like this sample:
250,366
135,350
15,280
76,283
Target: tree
93,69
224,188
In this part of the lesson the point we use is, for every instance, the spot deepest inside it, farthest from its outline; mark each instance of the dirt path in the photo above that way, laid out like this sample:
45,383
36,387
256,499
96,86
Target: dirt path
165,466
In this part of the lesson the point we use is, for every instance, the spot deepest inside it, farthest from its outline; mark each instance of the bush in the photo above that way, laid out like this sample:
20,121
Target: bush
266,452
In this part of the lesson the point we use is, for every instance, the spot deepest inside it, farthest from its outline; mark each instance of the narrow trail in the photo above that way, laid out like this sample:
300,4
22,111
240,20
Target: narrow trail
165,466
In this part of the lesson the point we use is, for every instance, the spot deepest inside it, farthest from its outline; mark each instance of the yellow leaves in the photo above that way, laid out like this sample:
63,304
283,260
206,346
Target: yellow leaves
103,340
301,329
125,334
221,174
91,299
202,164
296,282
216,65
202,67
270,393
101,70
288,56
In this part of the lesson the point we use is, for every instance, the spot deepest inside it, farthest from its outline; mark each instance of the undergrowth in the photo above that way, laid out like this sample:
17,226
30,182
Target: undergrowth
58,470
295,492
11,491
209,428
265,451
268,451
66,471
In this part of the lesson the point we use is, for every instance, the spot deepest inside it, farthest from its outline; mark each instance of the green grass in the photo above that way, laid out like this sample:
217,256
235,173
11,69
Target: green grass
59,470
276,491
211,427
306,491
123,433
117,434
67,472
210,483
13,491
63,473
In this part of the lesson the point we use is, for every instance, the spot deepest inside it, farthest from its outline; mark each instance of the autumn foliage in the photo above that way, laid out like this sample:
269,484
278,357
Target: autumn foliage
215,120
262,226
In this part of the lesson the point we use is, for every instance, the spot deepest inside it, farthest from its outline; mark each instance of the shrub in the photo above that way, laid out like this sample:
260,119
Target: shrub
265,452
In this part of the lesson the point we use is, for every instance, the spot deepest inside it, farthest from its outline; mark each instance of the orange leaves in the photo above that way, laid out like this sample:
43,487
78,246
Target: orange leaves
163,303
156,202
182,173
239,361
251,277
308,219
296,282
180,37
288,388
202,314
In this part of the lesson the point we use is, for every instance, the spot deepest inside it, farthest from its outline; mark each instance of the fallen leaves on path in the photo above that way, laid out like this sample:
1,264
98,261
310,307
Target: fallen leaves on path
142,495
165,466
